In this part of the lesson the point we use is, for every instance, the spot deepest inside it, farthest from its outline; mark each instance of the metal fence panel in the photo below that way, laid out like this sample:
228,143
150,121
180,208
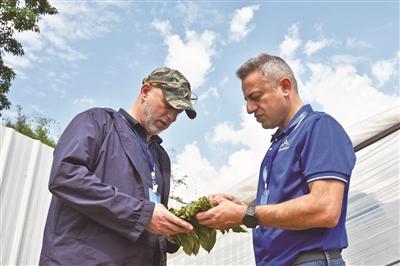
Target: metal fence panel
24,167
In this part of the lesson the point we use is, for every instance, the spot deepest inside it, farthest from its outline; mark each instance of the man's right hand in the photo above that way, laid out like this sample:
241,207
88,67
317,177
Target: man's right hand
165,223
216,199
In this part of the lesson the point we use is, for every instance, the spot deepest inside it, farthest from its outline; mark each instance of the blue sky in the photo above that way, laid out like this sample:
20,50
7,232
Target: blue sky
345,55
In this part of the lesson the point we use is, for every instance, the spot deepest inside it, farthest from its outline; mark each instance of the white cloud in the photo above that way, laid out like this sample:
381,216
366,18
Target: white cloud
297,67
200,172
17,62
352,42
36,109
383,71
319,26
312,47
60,91
345,94
210,93
346,59
288,48
31,40
80,20
224,132
291,42
248,134
192,56
163,26
190,11
199,16
75,21
224,81
84,103
239,165
239,26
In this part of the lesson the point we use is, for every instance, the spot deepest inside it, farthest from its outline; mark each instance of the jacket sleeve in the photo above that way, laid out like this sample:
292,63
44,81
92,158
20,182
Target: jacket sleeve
72,179
172,248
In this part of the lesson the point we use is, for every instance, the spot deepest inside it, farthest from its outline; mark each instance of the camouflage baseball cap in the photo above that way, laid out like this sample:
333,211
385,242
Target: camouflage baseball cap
176,88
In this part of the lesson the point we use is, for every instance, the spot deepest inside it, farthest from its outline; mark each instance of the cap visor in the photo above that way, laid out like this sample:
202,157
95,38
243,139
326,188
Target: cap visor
180,103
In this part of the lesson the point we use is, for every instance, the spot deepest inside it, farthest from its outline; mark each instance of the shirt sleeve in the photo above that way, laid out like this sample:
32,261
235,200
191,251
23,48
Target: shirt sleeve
72,179
328,152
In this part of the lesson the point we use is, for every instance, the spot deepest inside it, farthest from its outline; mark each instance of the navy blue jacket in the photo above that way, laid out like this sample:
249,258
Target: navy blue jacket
100,207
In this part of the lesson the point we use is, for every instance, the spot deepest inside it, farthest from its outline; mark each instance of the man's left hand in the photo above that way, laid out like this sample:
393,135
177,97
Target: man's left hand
224,216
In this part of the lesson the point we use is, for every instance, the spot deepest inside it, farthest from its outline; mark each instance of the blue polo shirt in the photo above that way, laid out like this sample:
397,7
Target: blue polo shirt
314,146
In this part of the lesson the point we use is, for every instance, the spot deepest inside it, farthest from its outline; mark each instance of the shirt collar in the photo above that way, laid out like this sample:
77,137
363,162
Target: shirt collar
297,118
137,127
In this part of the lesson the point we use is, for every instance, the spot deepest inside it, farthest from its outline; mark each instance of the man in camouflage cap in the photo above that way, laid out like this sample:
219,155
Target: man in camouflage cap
110,181
176,88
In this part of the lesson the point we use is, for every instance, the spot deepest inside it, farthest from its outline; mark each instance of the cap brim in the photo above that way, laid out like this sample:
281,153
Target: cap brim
180,103
191,113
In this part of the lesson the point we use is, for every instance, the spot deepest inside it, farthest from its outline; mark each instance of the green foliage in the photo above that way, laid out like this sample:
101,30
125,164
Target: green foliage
36,128
201,236
16,15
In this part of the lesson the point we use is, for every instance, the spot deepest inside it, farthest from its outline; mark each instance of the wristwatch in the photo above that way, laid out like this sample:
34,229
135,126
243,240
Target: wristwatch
250,219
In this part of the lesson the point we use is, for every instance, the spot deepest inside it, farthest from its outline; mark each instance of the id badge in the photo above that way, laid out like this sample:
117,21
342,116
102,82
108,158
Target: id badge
264,197
154,196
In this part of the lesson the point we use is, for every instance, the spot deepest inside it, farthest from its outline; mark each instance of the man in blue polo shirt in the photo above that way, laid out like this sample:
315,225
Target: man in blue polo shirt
300,211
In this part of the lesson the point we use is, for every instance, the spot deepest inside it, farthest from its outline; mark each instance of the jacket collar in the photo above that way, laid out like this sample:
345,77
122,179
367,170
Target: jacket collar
131,146
138,128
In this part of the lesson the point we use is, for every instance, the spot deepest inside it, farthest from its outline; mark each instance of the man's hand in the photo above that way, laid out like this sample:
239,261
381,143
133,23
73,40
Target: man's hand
216,199
227,214
165,223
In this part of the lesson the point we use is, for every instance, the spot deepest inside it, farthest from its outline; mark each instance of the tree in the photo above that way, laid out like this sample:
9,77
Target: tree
16,15
176,181
36,128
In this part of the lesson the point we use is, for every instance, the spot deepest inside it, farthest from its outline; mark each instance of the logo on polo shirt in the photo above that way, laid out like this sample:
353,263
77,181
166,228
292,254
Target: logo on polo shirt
284,146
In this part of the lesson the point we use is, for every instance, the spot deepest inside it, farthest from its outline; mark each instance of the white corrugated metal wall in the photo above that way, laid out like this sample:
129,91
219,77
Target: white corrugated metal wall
24,197
373,212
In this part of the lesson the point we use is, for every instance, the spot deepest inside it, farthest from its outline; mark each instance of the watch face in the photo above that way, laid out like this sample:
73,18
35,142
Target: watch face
250,221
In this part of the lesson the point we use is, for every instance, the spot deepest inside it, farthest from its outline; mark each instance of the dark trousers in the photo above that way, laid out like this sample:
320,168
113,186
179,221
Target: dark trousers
320,258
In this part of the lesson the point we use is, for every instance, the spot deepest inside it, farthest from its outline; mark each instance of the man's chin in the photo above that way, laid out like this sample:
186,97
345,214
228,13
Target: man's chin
157,130
267,126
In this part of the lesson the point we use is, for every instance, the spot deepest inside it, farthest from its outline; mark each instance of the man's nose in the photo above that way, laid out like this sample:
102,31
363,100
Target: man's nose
251,107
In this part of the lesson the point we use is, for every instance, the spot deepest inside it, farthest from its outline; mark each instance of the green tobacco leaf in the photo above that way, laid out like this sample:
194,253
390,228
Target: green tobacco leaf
208,238
196,243
201,236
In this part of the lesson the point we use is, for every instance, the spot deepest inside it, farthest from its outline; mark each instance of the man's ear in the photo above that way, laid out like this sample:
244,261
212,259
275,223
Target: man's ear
286,85
144,91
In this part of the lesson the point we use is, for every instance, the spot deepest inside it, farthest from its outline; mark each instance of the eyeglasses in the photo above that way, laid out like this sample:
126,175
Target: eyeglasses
182,92
187,94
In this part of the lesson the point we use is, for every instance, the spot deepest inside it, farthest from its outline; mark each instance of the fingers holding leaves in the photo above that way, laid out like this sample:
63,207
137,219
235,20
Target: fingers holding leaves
201,236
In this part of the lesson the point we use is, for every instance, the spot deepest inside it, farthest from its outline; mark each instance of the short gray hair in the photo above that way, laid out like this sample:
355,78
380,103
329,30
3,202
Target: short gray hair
270,66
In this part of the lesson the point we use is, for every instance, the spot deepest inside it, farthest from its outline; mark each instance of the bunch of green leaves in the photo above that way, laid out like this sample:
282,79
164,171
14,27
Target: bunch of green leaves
201,236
